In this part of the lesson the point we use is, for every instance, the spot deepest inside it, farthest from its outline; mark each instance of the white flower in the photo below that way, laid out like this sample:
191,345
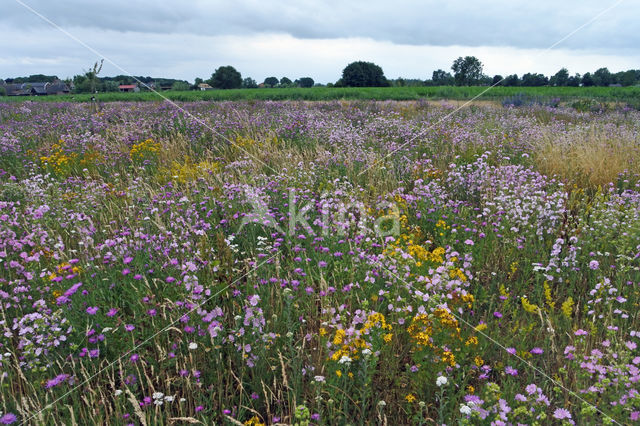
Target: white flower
158,402
382,403
441,381
183,399
118,392
366,352
169,398
344,360
193,345
319,378
465,410
157,395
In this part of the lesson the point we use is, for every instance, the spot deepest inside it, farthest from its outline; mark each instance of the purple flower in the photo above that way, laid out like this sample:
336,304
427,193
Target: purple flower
497,314
580,332
536,351
200,408
510,370
127,260
134,357
92,310
512,351
8,418
112,312
594,264
468,242
129,327
561,413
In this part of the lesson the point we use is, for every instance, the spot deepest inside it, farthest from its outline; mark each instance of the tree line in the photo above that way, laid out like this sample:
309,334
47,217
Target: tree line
465,71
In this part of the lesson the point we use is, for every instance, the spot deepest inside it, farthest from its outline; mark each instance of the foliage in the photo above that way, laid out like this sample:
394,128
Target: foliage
467,70
226,77
363,74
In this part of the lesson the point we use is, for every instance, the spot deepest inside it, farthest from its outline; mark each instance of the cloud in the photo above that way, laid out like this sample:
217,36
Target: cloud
523,24
186,56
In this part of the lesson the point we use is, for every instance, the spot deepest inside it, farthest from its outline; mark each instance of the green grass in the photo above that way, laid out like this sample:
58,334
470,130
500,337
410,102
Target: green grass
613,94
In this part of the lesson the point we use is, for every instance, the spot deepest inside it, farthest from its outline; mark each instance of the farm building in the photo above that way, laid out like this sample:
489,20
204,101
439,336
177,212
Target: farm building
129,88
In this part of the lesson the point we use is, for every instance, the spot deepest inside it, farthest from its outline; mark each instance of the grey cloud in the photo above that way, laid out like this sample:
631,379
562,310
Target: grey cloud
468,23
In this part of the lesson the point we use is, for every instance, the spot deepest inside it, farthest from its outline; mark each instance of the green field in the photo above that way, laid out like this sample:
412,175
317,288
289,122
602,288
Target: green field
630,95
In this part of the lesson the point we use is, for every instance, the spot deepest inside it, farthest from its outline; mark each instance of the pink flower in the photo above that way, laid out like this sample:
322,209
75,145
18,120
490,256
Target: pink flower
112,312
580,332
129,327
561,413
92,310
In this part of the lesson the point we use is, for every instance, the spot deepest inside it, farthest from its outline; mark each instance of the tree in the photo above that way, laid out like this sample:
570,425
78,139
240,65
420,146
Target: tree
574,81
306,82
561,78
497,80
271,81
3,91
249,83
180,86
442,78
534,79
363,74
467,70
511,80
285,82
226,77
587,80
198,81
602,77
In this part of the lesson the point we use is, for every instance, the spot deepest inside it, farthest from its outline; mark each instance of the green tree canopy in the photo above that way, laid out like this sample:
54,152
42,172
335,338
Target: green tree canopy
306,82
226,77
561,78
249,83
285,82
467,70
442,78
271,81
363,74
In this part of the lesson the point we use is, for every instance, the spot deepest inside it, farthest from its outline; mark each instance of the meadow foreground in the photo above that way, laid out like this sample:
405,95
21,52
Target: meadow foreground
318,263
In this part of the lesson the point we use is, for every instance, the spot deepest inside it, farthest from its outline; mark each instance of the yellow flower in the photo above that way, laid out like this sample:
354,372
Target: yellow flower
529,307
387,337
473,340
478,361
471,389
481,327
338,373
410,398
323,331
567,307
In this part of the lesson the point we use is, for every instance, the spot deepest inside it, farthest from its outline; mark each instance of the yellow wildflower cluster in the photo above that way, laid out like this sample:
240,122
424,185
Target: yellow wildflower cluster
189,171
242,143
254,421
145,150
351,348
567,307
59,161
529,307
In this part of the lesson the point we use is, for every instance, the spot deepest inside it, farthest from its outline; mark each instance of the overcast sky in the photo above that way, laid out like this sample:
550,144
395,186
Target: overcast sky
407,38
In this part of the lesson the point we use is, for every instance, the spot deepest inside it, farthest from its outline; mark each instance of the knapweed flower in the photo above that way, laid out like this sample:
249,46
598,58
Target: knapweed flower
441,381
8,418
561,413
129,327
510,370
112,312
92,310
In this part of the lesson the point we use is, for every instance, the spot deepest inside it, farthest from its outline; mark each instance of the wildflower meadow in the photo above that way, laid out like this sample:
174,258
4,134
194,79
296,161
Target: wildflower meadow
339,262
